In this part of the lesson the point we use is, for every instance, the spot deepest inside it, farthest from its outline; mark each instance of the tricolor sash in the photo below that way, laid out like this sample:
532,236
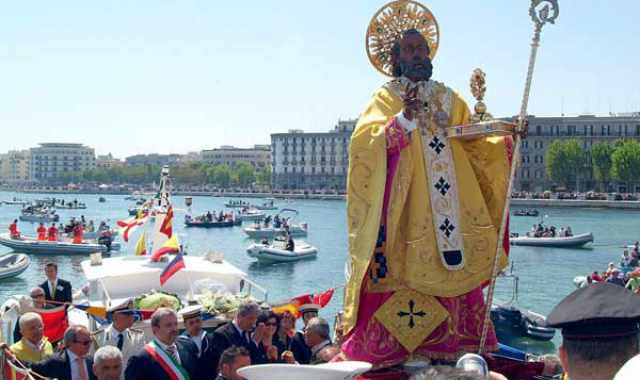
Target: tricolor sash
166,361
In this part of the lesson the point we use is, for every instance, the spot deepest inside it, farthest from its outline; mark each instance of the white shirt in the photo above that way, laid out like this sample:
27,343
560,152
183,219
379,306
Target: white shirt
198,340
75,370
164,347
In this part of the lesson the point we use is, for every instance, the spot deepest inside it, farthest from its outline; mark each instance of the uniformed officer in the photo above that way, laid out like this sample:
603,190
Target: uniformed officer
599,330
119,333
207,366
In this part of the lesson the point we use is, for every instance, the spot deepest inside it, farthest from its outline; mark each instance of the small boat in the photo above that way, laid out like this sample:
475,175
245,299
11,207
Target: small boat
70,206
214,224
44,247
527,212
274,254
511,321
267,205
16,202
39,217
252,215
574,241
237,204
102,199
259,232
12,265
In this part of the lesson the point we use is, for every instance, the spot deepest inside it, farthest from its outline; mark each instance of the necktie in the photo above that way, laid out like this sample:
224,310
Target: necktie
53,290
173,352
82,371
120,341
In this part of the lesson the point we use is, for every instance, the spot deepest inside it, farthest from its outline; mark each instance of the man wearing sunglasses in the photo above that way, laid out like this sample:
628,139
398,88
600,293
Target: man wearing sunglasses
73,363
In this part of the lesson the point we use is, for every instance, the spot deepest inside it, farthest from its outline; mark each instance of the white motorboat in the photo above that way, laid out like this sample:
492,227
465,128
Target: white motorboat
251,215
16,202
13,264
270,232
574,241
39,217
268,204
43,247
278,254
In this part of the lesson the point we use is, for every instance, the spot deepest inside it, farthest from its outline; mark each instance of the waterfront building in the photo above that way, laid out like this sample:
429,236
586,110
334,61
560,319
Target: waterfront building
49,160
259,156
152,159
311,161
588,130
107,161
15,167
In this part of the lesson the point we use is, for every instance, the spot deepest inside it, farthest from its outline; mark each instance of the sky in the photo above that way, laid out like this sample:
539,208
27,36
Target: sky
132,77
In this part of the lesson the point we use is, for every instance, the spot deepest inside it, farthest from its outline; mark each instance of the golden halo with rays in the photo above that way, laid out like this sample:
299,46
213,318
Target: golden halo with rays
388,24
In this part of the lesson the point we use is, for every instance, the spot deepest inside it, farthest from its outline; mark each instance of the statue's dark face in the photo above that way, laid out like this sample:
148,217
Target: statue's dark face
411,57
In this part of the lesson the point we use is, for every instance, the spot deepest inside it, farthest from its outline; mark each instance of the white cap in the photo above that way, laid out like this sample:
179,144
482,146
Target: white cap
629,370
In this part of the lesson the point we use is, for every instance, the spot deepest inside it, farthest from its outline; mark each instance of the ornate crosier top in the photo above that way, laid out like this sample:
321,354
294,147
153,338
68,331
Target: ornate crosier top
388,24
478,88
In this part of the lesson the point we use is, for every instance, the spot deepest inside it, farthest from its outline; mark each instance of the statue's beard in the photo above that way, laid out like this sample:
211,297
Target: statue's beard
416,71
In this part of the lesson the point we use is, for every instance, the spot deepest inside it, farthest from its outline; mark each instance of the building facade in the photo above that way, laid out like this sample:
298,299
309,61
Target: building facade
587,129
107,161
259,156
152,159
311,161
15,167
49,160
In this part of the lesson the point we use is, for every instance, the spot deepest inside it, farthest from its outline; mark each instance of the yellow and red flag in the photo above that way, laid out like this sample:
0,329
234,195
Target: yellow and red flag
167,224
170,246
294,306
141,246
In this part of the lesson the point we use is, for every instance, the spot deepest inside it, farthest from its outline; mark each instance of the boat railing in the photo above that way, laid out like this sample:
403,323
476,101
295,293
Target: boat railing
106,297
248,287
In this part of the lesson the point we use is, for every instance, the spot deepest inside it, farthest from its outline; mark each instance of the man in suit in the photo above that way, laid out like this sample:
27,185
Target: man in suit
165,357
232,359
238,333
55,289
107,363
72,363
302,352
207,364
318,339
119,333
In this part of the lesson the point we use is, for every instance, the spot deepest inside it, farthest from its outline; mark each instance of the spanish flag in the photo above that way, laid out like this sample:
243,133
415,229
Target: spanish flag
169,246
167,224
294,305
141,246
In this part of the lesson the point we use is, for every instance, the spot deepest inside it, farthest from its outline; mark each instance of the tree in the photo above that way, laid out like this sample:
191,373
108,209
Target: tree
564,161
263,176
625,161
245,174
222,176
601,160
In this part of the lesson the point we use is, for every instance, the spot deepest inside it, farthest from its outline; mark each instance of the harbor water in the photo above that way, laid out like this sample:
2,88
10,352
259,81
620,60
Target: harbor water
546,274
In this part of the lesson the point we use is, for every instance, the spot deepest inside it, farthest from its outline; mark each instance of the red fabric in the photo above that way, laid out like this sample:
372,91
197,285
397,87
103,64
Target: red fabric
167,224
78,231
42,232
323,298
514,370
175,265
55,322
52,234
163,251
13,230
158,359
11,372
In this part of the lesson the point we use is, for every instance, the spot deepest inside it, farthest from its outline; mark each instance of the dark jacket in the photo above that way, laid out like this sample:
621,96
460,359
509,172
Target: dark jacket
63,291
207,364
227,336
58,367
300,350
143,366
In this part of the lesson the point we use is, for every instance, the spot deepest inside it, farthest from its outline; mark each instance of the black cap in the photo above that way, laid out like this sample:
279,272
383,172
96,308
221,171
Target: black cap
598,311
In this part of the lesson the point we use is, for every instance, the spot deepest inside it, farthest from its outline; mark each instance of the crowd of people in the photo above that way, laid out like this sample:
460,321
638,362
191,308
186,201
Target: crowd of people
626,274
75,230
540,230
211,217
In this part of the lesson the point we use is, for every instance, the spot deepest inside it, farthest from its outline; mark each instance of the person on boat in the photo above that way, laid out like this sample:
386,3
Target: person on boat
56,289
595,276
42,232
14,233
120,333
91,227
165,357
290,244
52,233
209,216
617,278
599,330
33,346
78,232
569,232
610,268
625,260
277,222
221,216
265,241
192,316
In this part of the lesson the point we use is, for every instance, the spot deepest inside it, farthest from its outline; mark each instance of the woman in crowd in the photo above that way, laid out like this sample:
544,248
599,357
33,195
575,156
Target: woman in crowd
269,344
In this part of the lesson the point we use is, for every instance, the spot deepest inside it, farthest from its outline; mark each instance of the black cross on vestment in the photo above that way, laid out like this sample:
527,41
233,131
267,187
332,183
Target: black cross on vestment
442,186
436,144
447,227
411,313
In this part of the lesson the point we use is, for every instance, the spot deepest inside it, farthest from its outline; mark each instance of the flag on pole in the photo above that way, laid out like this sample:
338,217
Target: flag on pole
12,372
174,266
167,224
141,246
96,311
54,321
169,246
130,225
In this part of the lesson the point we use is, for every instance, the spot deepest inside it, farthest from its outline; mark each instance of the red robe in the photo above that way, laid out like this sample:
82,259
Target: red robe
42,232
53,234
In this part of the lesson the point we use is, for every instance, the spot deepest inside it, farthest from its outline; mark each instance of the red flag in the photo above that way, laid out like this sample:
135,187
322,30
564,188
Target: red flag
167,224
323,298
293,306
55,322
175,265
11,372
169,246
129,225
